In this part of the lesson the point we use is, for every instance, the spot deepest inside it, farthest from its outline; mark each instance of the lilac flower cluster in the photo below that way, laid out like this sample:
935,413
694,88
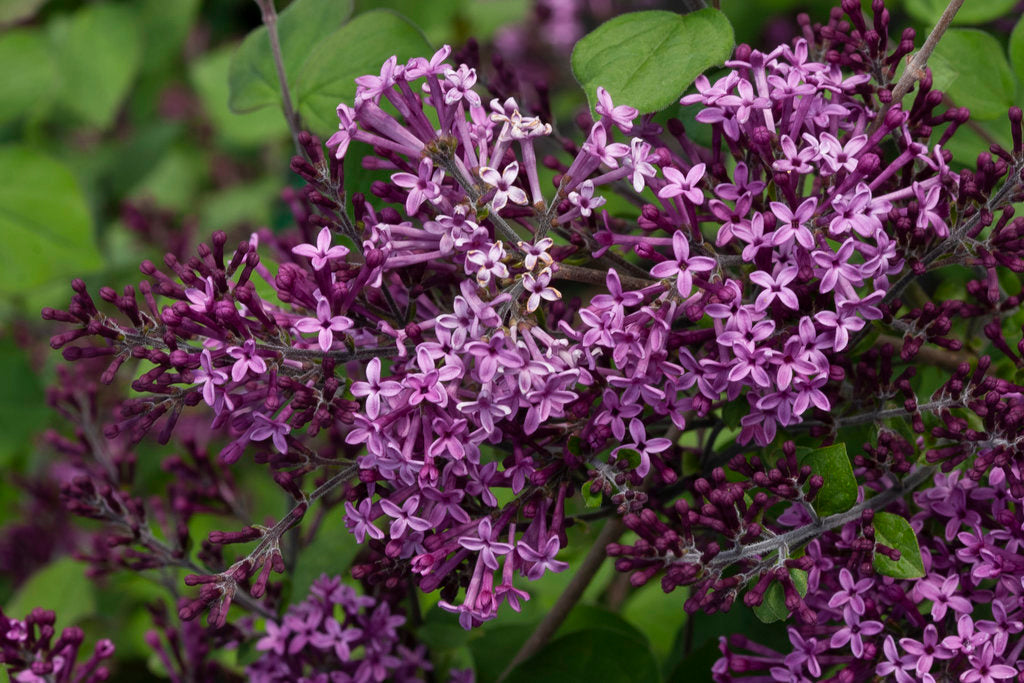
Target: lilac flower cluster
337,636
418,362
961,621
32,652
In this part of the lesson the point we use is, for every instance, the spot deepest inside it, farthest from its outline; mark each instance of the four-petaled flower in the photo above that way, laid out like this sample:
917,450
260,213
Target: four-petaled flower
684,266
504,189
404,516
323,252
483,543
324,324
687,185
621,116
585,199
424,186
542,559
247,359
539,289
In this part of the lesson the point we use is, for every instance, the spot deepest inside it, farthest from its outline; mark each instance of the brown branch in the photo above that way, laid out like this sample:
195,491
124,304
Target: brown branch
591,276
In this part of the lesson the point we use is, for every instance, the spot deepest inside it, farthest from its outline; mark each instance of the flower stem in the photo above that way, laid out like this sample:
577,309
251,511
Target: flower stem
270,21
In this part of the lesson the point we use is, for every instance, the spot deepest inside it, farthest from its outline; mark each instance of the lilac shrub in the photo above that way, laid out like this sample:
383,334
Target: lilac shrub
514,317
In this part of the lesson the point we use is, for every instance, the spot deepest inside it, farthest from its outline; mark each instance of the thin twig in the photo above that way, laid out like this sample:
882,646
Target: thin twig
568,599
270,21
597,277
915,67
943,358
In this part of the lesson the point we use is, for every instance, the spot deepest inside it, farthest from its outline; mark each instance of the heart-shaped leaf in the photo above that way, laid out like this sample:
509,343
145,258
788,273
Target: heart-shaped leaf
647,59
253,76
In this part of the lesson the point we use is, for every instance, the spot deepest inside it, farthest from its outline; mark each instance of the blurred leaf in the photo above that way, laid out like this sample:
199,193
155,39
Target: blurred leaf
23,409
14,11
627,55
590,654
331,552
440,20
358,48
440,632
60,586
486,17
963,59
971,12
29,72
174,182
253,76
657,615
46,225
839,492
895,532
496,647
99,52
238,204
584,617
165,25
1017,50
209,76
773,607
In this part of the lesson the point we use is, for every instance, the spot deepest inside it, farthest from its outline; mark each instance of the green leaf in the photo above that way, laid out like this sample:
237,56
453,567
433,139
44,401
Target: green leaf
734,411
99,52
963,59
895,532
657,615
486,17
358,48
590,654
773,607
29,72
630,455
253,76
496,647
590,499
971,12
60,586
165,26
647,59
23,409
839,492
586,617
45,222
209,76
331,552
1017,49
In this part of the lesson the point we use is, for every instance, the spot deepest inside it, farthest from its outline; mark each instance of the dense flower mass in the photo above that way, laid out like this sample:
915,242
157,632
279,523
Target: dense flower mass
514,317
337,635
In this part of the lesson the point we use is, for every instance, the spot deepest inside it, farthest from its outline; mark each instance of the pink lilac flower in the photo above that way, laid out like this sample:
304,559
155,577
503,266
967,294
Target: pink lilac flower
324,324
684,266
505,191
321,253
